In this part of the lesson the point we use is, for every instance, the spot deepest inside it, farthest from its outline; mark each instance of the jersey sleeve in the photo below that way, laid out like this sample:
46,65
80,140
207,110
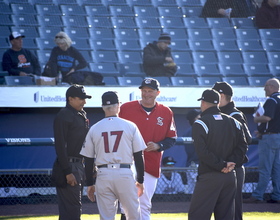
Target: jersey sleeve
88,146
138,141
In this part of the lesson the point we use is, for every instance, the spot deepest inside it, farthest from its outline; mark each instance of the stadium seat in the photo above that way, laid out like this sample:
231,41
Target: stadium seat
176,33
149,34
131,69
19,9
106,69
230,57
101,33
271,44
89,2
148,22
48,32
182,3
192,11
169,3
208,81
179,45
139,2
201,45
48,9
25,20
19,80
113,2
97,10
199,34
5,9
110,81
206,69
236,80
66,2
27,31
75,21
185,70
243,23
100,44
267,34
246,34
104,57
225,45
121,10
171,22
273,57
202,57
218,22
43,56
123,22
163,80
77,32
223,34
182,57
183,81
126,33
274,69
128,45
130,80
195,22
259,69
6,19
69,10
30,43
4,44
50,20
250,45
167,11
87,55
129,57
231,69
258,80
145,11
81,44
100,22
5,31
42,2
254,57
45,43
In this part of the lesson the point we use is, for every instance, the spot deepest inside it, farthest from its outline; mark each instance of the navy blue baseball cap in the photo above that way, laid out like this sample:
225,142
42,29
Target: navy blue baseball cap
77,91
150,82
168,161
211,96
110,98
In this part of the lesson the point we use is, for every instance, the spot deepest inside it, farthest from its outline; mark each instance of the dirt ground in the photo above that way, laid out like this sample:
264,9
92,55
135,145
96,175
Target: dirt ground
91,208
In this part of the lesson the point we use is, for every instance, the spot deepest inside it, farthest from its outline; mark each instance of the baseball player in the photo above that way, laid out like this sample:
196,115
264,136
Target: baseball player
114,143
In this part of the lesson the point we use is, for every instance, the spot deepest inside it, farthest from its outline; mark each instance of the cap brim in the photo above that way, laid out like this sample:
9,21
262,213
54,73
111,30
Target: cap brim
200,99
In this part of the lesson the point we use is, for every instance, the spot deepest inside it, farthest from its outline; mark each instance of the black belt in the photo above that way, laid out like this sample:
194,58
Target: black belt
75,160
114,166
271,133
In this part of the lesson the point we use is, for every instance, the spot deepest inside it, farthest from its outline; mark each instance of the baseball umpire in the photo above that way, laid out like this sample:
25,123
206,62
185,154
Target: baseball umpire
114,143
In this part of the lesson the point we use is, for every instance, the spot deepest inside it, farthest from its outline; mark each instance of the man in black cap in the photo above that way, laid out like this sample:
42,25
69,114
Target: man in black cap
220,145
19,61
227,106
70,129
157,58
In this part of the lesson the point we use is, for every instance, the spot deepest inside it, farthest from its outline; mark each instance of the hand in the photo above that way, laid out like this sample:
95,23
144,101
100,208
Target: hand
71,71
221,11
140,187
90,193
229,168
22,74
71,179
152,146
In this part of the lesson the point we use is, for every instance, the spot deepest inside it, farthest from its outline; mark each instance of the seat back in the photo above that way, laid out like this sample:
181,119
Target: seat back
19,80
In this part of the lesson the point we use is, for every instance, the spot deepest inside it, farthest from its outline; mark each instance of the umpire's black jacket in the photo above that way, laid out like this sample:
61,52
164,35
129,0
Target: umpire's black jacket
218,138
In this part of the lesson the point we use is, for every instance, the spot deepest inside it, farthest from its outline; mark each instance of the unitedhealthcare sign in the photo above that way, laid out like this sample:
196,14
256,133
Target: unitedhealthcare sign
181,97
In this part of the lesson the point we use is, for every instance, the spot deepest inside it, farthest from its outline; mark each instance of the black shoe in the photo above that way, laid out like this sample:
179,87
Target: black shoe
273,201
123,216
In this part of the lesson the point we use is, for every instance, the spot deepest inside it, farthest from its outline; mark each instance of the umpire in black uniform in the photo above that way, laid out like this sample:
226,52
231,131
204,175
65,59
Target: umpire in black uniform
227,106
220,144
70,128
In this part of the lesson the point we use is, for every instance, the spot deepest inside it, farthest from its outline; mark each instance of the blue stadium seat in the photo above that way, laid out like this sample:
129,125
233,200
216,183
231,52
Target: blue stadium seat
259,69
191,11
121,10
223,33
5,9
230,57
243,23
77,32
218,22
106,69
99,22
236,80
202,57
89,2
250,45
195,22
65,2
110,81
167,11
19,9
130,80
208,80
246,34
30,43
104,57
4,44
128,45
183,81
123,22
254,57
179,45
97,10
199,34
113,2
267,34
130,57
151,34
48,32
274,69
101,33
139,2
169,3
75,21
45,43
231,69
271,44
206,69
163,80
19,80
132,69
182,57
258,80
87,55
185,69
81,44
28,31
100,44
201,45
50,20
273,57
171,22
148,22
126,33
43,56
48,9
225,45
146,11
25,20
182,3
70,10
42,2
5,31
176,33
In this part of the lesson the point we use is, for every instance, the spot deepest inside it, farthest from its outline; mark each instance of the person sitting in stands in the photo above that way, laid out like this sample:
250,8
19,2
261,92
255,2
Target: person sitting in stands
268,15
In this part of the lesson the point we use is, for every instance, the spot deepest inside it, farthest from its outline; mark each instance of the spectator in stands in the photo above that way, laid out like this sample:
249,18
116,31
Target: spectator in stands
64,58
19,61
268,15
157,58
70,129
170,182
191,116
229,8
269,144
227,106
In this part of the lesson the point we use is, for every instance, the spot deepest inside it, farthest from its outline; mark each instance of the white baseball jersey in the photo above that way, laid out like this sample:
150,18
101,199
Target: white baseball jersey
113,140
